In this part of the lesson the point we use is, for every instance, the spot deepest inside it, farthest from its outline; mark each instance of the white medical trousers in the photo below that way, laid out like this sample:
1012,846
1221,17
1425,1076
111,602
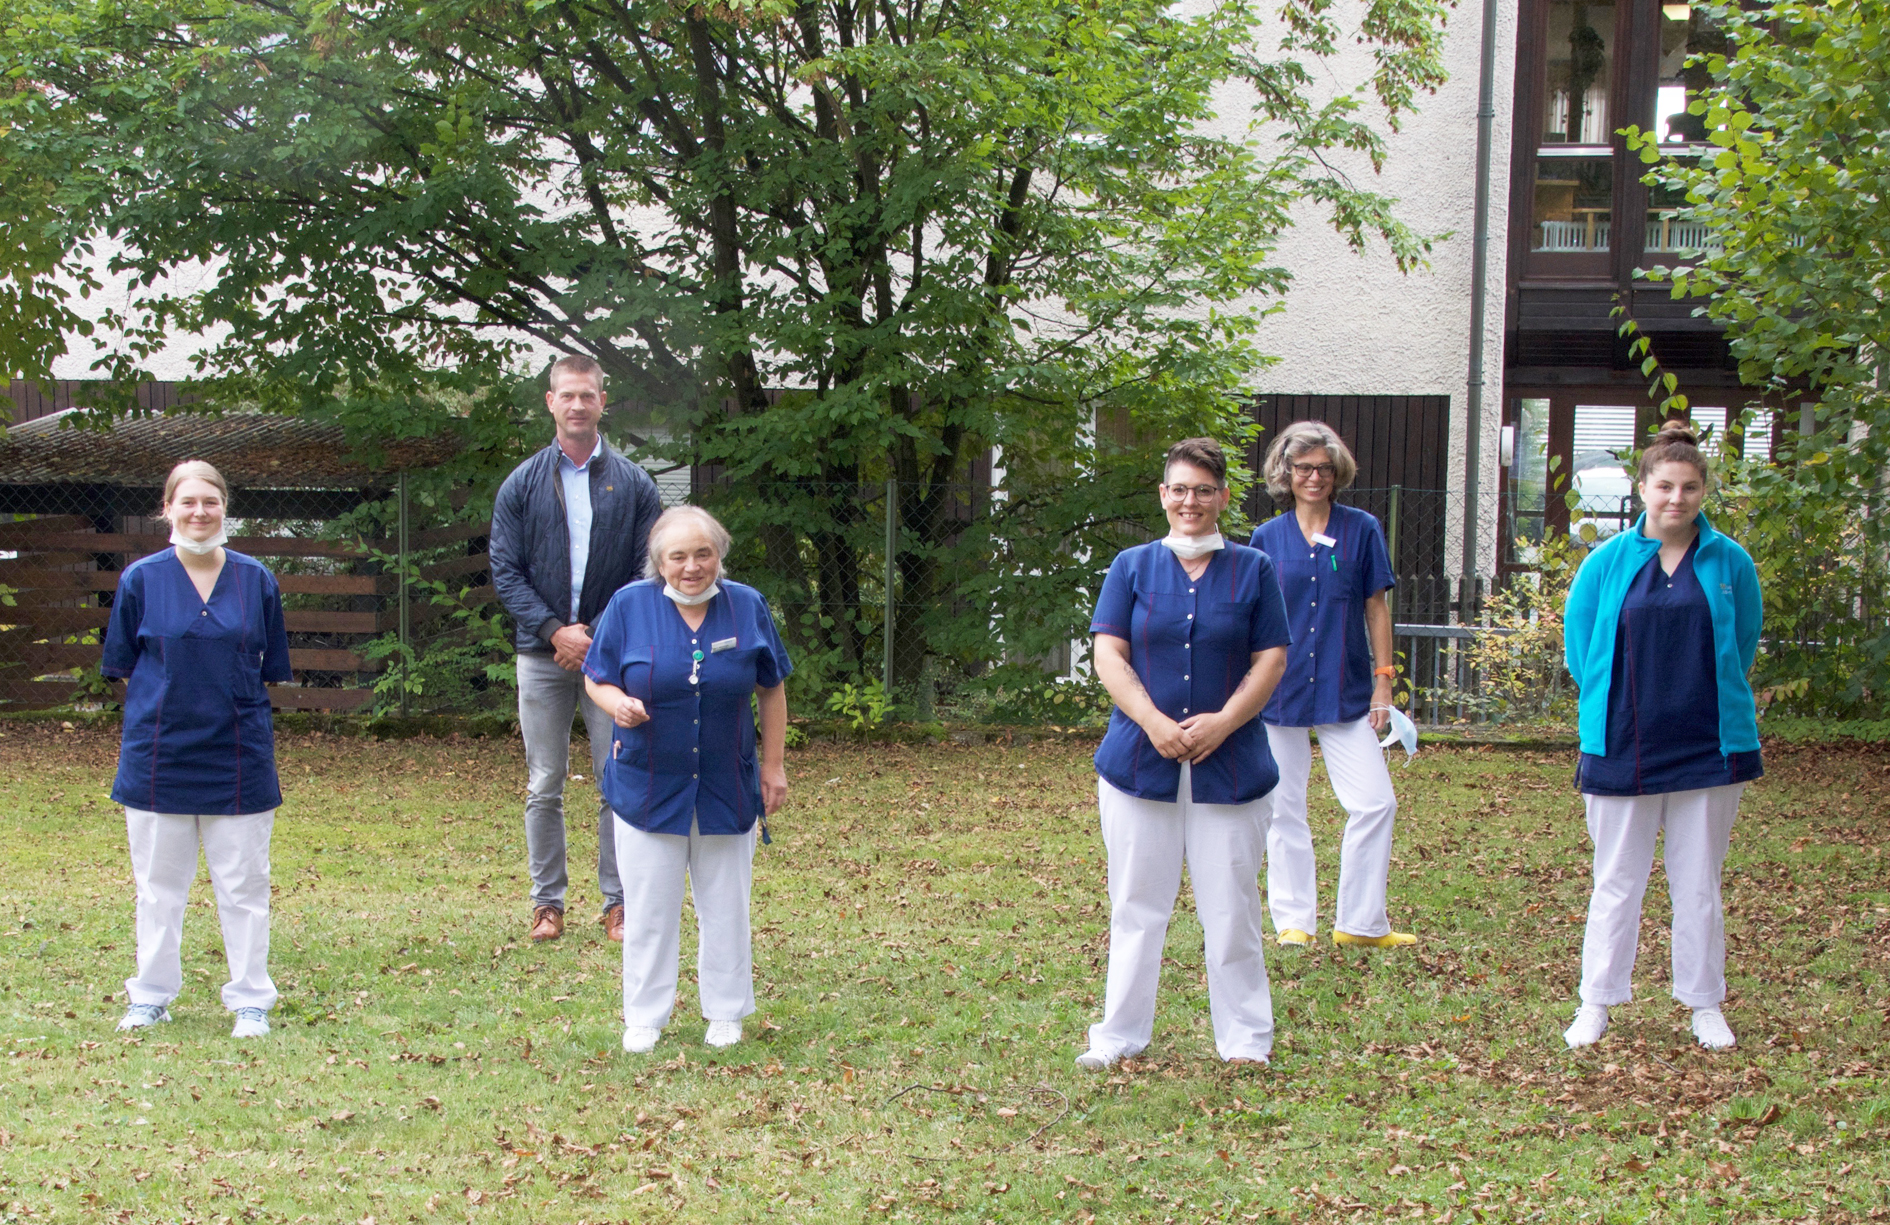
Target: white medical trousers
720,871
1223,845
164,862
1356,766
1698,827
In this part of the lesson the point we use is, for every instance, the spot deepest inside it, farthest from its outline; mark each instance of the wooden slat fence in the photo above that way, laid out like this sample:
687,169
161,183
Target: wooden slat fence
61,572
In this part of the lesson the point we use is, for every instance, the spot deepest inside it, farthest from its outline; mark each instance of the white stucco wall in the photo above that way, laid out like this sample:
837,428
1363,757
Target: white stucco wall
116,298
1352,324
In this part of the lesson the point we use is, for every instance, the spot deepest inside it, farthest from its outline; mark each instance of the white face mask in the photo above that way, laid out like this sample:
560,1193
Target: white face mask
1187,548
201,548
690,601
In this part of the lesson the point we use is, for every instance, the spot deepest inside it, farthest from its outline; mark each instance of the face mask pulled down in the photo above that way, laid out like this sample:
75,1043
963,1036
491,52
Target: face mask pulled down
1188,548
199,548
690,601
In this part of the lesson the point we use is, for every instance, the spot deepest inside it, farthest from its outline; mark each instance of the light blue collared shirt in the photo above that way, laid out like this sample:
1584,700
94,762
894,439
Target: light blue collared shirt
576,479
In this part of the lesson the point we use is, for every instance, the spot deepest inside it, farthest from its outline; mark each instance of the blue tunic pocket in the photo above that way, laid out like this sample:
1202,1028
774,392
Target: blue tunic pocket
1227,622
635,669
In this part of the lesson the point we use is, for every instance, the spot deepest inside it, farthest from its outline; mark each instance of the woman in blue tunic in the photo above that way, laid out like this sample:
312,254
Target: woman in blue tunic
1334,574
674,660
1190,638
1661,627
195,632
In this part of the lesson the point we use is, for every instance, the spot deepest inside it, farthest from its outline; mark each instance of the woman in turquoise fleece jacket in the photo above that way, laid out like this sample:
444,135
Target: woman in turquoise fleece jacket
1660,630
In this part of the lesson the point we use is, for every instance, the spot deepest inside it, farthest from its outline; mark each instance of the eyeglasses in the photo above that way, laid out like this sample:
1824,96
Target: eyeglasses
1202,493
1308,471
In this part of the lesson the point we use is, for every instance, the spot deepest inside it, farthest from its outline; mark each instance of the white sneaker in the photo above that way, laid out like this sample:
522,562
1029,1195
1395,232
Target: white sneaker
250,1023
723,1033
138,1016
1590,1023
1711,1029
1095,1059
641,1039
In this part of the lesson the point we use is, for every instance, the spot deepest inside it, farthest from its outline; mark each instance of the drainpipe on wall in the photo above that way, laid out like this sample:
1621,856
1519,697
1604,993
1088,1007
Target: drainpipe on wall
1479,293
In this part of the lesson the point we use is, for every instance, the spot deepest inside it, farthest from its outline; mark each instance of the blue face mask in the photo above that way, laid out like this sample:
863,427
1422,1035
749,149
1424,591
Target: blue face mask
1402,731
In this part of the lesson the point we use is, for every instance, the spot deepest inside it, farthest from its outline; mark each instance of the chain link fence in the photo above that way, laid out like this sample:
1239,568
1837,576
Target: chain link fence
383,613
1436,615
906,599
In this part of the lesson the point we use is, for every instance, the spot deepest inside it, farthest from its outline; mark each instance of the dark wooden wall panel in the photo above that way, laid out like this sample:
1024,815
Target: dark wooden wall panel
31,399
1399,441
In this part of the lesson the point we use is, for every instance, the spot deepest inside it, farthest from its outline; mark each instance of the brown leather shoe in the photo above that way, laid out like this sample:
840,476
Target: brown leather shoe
613,922
547,923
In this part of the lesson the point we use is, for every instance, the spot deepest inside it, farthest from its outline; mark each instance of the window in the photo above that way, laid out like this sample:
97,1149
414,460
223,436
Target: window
1574,201
1587,69
1528,478
1685,32
1574,185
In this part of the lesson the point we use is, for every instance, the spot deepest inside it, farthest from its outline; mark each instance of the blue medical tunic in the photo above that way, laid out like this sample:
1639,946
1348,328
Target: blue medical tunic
198,739
695,760
1191,643
1663,699
1329,670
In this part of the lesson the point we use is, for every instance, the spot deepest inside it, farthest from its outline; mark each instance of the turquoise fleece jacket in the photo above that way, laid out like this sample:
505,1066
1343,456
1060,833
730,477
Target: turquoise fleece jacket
1731,583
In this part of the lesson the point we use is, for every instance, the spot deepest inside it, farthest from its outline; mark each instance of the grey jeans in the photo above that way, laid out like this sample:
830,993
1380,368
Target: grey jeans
547,698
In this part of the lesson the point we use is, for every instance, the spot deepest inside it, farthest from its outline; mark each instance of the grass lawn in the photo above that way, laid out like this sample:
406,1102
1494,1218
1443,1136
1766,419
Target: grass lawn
930,936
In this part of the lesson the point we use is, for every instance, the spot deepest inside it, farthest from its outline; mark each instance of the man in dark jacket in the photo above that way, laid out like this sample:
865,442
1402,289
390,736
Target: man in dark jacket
570,526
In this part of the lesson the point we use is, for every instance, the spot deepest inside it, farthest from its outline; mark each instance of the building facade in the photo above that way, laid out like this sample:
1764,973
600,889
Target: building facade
1573,228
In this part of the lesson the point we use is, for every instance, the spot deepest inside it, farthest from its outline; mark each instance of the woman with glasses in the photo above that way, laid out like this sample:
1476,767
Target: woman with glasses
1190,637
1334,573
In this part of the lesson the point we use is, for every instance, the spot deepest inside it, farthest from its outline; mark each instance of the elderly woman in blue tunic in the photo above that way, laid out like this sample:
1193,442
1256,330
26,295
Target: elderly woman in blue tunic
1190,638
1661,627
674,661
1334,573
195,632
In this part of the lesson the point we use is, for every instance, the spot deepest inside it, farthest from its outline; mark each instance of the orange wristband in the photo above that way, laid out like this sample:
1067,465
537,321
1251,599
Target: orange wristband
1387,670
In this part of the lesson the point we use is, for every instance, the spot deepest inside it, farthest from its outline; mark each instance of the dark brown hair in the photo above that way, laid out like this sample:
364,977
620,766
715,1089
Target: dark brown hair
1675,444
1203,453
574,363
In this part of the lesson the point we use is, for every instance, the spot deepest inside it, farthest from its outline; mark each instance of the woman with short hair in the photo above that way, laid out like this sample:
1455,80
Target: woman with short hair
1190,637
674,660
1334,573
196,631
1660,629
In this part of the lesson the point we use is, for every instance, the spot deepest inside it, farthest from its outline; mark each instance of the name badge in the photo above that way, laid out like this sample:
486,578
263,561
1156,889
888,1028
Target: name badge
1322,538
721,645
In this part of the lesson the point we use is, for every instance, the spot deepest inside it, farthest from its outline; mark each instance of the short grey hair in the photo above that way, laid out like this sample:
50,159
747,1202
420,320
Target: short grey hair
1294,441
677,517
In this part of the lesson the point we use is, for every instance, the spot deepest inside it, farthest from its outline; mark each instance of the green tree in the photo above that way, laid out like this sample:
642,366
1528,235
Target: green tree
40,263
941,226
1796,191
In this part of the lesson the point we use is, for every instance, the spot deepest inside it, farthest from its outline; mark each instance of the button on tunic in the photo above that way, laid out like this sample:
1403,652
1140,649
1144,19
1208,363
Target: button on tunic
1663,697
695,760
1329,668
198,738
1191,643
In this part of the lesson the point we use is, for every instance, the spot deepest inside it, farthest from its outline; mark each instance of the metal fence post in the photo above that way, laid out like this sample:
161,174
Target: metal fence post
406,628
892,550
